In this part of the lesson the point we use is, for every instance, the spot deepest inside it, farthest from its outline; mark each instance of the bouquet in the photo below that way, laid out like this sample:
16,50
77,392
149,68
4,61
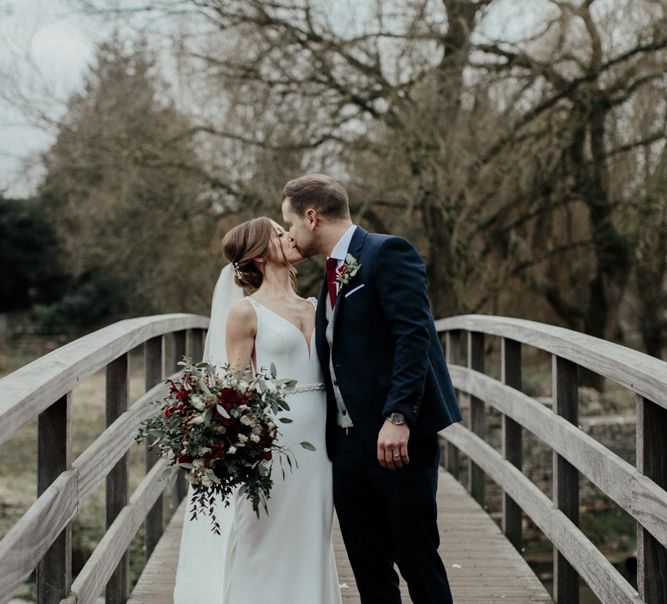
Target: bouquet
219,428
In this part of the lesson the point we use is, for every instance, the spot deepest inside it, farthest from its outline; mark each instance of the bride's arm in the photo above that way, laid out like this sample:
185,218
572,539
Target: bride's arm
240,337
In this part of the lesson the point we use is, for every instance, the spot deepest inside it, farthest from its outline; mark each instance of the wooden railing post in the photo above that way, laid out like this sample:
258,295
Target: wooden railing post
178,351
477,415
117,394
195,344
511,439
54,456
152,375
454,357
565,476
652,462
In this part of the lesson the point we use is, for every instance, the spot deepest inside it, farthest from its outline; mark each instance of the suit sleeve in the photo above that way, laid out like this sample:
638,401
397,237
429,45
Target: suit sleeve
400,280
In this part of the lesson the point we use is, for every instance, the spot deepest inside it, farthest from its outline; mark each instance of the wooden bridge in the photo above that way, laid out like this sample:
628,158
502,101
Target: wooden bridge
483,561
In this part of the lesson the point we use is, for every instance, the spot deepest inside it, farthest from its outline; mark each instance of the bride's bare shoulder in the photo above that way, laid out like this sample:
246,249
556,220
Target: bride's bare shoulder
242,313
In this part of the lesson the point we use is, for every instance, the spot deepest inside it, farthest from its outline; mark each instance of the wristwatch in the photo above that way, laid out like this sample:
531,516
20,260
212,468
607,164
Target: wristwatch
398,419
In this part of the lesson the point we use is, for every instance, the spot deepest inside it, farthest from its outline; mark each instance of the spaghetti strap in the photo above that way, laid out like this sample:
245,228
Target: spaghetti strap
252,301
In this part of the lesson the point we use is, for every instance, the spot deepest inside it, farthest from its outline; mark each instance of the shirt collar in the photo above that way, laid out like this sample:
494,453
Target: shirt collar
340,249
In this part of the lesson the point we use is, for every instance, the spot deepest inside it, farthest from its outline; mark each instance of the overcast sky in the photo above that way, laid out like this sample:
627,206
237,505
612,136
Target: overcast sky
48,34
60,44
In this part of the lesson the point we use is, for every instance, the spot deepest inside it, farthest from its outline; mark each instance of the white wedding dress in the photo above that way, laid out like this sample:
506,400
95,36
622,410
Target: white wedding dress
285,557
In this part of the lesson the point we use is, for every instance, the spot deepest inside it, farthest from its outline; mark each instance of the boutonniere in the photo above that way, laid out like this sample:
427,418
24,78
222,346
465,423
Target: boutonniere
347,270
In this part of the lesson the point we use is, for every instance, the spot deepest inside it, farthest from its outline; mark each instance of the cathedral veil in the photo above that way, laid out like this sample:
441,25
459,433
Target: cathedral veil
225,295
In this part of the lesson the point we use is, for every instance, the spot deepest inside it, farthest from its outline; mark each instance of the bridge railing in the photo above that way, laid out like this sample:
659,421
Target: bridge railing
639,490
41,539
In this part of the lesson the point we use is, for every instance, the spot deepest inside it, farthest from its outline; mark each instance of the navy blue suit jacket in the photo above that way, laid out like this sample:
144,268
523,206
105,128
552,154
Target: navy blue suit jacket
386,352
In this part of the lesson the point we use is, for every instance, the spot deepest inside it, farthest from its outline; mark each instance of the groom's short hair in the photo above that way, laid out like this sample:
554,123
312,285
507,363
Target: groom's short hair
320,192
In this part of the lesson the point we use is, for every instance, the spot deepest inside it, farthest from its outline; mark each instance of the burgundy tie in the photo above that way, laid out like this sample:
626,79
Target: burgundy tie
332,264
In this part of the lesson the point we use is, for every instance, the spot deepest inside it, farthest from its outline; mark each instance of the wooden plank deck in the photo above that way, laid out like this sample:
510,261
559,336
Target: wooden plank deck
482,565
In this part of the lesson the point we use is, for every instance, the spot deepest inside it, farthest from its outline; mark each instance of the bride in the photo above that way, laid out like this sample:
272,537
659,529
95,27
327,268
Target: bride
287,556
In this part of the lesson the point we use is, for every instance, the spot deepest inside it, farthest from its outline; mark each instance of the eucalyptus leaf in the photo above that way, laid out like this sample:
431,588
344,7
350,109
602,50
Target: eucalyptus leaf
306,445
285,420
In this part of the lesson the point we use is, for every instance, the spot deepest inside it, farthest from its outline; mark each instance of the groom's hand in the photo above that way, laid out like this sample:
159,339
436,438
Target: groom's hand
392,449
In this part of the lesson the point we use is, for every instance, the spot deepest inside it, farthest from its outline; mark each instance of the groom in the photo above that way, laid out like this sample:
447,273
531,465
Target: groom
388,393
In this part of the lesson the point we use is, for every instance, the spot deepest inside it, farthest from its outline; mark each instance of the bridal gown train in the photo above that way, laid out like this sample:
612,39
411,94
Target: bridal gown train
287,556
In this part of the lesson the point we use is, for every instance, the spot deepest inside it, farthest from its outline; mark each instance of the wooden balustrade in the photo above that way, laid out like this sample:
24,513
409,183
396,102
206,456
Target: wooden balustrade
639,490
41,539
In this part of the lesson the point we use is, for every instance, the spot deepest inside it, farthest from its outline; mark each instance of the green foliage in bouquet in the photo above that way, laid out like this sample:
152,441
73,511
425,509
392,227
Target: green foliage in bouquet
218,426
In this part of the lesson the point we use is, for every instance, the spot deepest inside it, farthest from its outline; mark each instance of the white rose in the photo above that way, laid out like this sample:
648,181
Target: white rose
206,482
197,402
243,438
245,420
255,438
231,450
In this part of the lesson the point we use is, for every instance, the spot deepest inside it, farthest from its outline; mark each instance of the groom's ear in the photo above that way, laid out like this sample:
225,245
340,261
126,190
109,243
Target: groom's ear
312,218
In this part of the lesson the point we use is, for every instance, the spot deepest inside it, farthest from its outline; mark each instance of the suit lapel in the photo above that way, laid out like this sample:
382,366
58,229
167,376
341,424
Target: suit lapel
354,249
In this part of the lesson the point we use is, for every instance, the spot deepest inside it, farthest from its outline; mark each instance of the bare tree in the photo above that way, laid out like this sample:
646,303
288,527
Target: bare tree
500,157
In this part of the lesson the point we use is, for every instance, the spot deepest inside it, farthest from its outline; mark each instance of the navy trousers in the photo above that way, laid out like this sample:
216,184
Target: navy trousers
390,517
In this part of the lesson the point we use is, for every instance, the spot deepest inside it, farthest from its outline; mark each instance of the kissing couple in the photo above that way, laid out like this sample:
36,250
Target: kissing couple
373,390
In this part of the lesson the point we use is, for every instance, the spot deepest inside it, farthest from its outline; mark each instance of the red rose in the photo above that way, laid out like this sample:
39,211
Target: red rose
182,395
267,455
168,410
184,459
180,407
230,397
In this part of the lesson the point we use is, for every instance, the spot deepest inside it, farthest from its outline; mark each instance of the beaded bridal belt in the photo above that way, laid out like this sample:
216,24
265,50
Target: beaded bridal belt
307,388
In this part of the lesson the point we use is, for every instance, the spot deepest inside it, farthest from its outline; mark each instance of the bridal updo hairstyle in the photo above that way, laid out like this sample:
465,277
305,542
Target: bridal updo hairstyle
246,242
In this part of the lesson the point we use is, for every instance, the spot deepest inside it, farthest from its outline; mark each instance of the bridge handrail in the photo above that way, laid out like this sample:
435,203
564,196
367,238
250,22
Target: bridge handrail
42,537
31,389
639,491
639,372
637,494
